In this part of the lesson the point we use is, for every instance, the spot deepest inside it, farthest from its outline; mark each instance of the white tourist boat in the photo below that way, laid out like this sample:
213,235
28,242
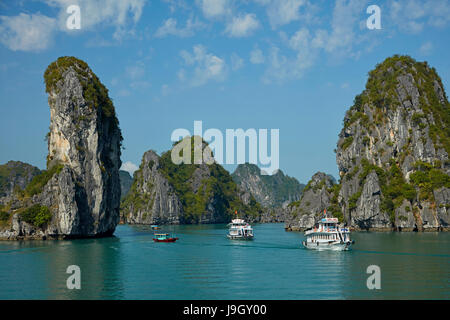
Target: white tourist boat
240,230
328,235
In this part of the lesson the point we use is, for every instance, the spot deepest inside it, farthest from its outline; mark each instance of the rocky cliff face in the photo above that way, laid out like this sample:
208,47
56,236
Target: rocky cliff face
270,191
151,199
168,193
393,150
125,183
318,195
14,176
79,193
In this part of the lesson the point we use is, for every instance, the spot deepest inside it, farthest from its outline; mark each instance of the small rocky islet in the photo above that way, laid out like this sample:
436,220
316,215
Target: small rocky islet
392,155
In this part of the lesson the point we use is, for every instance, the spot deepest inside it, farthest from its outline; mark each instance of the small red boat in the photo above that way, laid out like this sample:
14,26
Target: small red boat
164,237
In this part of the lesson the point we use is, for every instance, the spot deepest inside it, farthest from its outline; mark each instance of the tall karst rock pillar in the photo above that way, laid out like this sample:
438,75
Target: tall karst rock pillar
78,195
85,137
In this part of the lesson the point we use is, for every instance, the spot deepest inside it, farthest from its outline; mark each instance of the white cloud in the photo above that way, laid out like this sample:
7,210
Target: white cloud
182,75
281,12
426,49
242,26
96,12
281,67
412,16
205,67
130,167
35,32
140,85
135,71
27,32
176,4
300,40
165,89
257,56
345,19
214,8
124,93
339,41
236,62
169,27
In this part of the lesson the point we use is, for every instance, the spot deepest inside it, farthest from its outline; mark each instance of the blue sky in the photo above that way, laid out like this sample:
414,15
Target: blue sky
292,65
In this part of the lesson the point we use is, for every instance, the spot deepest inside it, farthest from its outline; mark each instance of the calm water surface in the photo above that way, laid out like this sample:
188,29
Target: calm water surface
204,264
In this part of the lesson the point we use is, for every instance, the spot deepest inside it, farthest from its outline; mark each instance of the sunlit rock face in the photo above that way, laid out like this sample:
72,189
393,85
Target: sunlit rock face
393,150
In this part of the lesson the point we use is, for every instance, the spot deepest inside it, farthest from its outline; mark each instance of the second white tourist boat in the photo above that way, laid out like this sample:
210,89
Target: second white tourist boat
240,230
328,235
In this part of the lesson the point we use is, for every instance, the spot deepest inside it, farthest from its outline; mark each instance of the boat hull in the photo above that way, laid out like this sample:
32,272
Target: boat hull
166,240
231,237
339,246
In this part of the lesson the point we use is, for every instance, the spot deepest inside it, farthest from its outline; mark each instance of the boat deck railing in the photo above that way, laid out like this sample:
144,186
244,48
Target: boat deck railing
326,230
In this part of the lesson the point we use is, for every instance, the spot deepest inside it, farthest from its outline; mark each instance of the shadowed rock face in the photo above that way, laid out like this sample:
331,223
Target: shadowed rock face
270,191
125,183
83,192
392,153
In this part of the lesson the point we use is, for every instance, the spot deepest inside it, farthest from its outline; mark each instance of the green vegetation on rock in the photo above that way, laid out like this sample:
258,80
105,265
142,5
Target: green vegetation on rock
15,171
218,183
37,184
37,215
94,92
134,198
334,209
4,214
347,142
428,178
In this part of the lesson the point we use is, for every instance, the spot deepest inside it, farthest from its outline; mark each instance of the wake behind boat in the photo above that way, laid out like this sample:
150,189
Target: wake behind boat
328,235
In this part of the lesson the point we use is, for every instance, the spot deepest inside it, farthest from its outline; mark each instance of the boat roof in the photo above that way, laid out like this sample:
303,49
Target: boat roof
238,221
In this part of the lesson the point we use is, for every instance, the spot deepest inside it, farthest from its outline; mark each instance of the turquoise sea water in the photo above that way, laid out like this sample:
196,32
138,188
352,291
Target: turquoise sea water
204,264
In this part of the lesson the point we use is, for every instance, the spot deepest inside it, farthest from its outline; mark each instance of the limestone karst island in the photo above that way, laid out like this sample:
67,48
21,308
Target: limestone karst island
236,152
